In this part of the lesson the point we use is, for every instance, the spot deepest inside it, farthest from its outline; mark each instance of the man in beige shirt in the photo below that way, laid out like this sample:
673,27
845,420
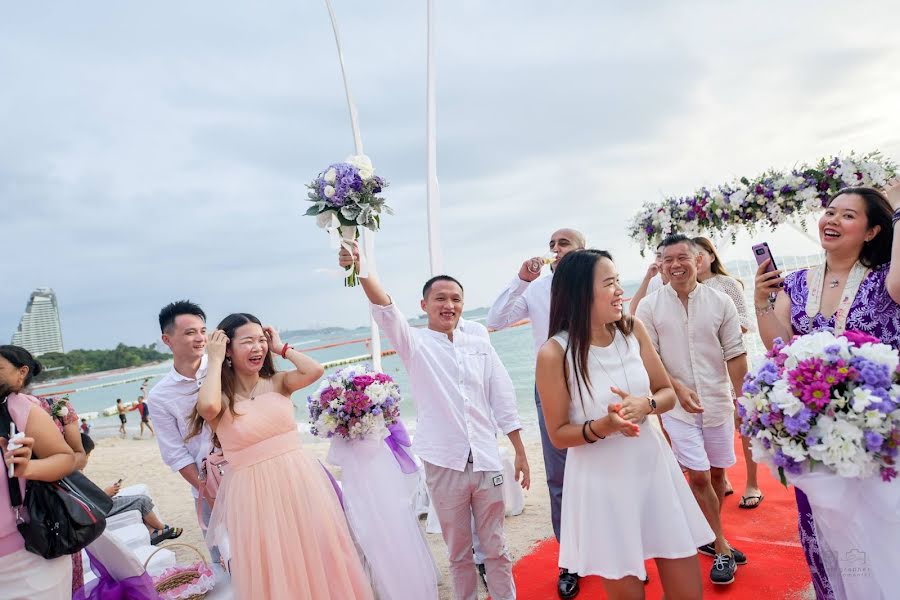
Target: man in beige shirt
697,332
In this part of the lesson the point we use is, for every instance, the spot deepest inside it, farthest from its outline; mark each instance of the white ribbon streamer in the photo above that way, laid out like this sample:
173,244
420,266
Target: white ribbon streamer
354,120
433,194
367,247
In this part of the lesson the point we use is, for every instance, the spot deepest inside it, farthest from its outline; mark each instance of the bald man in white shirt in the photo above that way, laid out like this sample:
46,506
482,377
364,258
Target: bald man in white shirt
528,297
462,394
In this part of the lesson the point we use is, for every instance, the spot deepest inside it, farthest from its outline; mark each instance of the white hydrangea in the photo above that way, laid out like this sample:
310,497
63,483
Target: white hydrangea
880,353
786,401
376,393
813,344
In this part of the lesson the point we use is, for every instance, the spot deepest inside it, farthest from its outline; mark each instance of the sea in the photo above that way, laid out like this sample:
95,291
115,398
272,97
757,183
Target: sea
91,395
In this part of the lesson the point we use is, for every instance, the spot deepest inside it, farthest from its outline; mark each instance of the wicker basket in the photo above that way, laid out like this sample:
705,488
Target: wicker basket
185,576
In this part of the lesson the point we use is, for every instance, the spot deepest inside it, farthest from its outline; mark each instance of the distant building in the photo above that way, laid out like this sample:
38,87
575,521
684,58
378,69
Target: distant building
39,330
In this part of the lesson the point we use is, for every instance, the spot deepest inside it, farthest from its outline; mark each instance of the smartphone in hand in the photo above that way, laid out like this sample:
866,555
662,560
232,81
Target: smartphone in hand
762,253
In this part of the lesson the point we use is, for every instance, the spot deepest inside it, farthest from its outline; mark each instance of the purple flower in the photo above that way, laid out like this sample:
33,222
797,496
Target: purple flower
798,423
874,442
872,373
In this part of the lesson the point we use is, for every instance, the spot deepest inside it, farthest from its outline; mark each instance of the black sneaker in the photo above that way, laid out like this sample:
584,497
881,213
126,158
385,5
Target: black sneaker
723,569
567,587
710,550
482,574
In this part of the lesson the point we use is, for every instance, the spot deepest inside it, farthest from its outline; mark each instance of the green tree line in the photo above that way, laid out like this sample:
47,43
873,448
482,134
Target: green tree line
76,362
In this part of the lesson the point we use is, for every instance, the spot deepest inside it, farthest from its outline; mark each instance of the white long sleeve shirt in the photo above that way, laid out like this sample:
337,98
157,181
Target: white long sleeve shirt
171,402
458,387
524,300
694,346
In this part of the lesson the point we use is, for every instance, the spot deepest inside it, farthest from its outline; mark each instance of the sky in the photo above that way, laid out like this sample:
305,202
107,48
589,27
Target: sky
160,150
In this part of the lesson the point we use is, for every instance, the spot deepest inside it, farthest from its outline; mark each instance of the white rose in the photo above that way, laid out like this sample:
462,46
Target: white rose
329,191
64,411
364,164
330,176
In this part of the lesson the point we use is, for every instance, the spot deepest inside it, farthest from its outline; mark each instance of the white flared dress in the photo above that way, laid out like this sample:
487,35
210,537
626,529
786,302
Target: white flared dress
625,499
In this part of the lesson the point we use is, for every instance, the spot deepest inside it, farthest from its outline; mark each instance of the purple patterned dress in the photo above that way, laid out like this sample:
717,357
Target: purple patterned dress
874,312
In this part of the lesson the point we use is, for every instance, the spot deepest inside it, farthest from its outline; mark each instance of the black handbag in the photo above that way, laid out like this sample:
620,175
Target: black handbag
60,517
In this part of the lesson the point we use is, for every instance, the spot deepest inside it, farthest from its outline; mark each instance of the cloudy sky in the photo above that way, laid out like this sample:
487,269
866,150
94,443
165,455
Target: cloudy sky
159,150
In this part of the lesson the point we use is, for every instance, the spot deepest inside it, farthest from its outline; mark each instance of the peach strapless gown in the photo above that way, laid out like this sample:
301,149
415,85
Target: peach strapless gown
286,530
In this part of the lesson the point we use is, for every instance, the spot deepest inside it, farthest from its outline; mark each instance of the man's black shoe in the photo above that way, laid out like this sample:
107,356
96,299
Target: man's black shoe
723,569
567,587
710,550
481,573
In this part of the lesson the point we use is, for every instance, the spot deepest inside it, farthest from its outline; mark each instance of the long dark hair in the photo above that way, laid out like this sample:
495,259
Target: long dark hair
229,325
19,357
878,212
715,265
571,300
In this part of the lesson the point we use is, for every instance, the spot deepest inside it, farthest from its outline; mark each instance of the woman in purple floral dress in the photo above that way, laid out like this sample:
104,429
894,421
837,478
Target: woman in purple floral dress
857,288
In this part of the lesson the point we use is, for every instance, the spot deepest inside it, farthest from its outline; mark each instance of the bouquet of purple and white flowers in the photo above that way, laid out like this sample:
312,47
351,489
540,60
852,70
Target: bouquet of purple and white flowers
345,198
354,403
825,400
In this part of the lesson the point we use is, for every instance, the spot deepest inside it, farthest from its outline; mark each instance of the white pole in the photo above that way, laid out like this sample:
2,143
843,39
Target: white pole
433,196
368,237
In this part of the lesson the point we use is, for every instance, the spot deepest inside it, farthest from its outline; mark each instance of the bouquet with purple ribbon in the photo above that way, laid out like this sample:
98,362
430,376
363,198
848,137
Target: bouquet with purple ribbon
828,401
357,403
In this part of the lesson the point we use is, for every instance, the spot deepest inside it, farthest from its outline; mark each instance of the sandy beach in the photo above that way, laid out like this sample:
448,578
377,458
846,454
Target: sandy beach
139,461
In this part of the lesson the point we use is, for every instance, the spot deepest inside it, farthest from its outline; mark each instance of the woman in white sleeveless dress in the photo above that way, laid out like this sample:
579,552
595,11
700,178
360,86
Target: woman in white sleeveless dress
625,499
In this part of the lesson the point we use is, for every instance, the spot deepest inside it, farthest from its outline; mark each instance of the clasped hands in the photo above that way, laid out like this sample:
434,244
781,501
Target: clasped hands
624,417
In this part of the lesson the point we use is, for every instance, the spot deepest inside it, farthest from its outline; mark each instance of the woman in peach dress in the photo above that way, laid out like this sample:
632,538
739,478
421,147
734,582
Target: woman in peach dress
286,531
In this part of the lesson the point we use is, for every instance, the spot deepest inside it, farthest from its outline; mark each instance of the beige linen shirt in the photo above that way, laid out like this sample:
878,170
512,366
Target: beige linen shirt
694,346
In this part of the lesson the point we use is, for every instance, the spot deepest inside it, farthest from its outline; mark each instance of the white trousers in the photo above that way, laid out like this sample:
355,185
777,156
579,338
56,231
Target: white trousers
458,496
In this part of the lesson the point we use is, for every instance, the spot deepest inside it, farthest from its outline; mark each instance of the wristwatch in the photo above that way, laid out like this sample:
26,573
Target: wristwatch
652,401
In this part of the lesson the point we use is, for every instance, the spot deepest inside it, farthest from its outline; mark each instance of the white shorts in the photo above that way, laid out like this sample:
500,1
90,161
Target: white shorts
698,448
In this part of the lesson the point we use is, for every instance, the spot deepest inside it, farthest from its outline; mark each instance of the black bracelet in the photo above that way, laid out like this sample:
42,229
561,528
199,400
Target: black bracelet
599,437
584,433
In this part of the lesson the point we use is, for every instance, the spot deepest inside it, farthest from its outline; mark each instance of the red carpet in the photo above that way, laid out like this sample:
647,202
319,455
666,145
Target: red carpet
767,535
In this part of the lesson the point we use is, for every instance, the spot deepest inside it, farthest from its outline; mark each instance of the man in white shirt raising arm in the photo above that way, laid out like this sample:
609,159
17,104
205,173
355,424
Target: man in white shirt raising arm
461,389
528,297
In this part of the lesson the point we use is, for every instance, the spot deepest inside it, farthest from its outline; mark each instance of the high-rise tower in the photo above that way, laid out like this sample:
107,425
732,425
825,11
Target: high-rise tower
39,330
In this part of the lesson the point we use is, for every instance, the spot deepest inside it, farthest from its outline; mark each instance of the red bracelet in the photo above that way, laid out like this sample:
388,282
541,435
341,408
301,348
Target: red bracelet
284,351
